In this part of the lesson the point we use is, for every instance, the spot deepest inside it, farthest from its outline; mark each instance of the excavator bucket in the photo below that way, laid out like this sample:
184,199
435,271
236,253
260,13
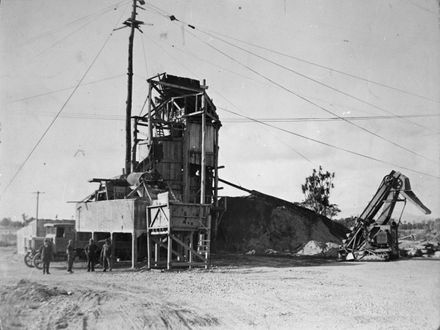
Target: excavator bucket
411,196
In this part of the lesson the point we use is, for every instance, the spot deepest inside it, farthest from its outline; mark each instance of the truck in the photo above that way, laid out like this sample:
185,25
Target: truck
375,233
59,233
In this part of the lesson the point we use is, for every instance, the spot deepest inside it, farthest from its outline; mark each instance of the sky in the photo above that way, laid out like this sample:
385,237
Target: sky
278,61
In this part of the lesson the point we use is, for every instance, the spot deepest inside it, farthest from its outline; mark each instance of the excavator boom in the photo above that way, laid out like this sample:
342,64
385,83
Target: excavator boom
373,237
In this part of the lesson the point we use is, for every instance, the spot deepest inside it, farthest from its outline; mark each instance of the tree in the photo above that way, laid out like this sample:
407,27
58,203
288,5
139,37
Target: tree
6,222
26,218
347,222
316,190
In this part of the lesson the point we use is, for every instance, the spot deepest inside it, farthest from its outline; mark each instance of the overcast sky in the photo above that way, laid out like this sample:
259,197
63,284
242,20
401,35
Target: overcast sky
394,46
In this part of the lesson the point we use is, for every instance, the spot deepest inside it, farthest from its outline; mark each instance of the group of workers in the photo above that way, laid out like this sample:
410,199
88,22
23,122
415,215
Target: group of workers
91,250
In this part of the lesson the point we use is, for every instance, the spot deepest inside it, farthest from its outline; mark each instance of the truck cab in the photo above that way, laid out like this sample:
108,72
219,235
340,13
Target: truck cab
60,234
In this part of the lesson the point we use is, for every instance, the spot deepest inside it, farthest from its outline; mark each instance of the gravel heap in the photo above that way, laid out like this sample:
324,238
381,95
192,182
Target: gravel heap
260,222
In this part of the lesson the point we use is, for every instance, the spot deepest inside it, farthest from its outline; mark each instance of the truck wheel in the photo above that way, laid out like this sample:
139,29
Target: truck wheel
28,259
37,261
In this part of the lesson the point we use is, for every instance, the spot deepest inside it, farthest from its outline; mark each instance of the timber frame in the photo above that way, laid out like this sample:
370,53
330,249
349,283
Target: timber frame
178,235
181,145
170,194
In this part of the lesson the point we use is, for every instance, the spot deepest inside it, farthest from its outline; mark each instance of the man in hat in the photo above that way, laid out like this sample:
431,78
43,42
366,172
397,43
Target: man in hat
106,254
46,255
91,250
70,252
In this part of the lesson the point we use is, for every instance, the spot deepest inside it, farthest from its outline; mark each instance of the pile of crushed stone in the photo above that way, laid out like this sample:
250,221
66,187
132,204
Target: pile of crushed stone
315,248
264,223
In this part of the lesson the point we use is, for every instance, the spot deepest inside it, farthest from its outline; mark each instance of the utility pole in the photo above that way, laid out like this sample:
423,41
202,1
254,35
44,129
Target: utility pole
133,24
38,201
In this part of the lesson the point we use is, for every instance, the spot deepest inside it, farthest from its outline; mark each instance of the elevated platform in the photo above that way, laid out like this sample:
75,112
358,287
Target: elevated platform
178,235
116,215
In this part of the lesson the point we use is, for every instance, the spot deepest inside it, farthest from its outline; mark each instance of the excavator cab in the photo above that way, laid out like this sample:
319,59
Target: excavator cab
375,234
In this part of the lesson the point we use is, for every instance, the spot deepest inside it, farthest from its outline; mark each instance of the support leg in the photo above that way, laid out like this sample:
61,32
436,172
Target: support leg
156,254
169,251
133,250
113,252
191,239
148,250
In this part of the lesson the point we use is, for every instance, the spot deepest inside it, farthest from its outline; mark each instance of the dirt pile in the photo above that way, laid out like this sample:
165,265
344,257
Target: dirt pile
27,290
31,305
261,223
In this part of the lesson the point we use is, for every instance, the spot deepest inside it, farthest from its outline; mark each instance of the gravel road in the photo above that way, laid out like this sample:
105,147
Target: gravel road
238,292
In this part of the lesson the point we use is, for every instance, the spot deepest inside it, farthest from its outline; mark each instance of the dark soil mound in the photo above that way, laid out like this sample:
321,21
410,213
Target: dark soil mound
261,222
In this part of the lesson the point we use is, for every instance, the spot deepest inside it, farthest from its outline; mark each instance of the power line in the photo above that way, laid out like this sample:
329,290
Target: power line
64,89
60,111
59,28
311,139
171,56
423,8
300,154
311,102
193,55
60,40
315,80
168,15
173,18
94,116
295,150
327,68
324,119
333,146
145,56
320,142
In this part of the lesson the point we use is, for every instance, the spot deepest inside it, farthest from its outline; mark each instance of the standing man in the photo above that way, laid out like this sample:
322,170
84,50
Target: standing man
46,255
70,251
106,254
91,250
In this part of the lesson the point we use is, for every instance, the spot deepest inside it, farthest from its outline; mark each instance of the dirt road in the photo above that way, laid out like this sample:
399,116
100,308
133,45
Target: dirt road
239,292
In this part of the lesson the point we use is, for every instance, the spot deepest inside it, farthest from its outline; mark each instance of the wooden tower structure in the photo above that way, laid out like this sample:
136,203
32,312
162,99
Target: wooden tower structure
175,167
167,196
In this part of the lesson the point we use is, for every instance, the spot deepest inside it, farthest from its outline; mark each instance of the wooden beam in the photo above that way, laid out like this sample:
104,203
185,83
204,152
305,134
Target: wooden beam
179,86
133,249
148,247
160,243
133,191
150,129
191,239
178,241
203,156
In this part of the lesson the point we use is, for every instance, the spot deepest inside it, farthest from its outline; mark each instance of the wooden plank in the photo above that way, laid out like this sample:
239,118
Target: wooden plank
203,160
179,86
148,250
169,252
186,263
156,254
191,239
133,250
178,241
160,243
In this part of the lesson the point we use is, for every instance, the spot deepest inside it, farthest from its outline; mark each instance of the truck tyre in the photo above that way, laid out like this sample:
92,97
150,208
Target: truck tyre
37,261
28,259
